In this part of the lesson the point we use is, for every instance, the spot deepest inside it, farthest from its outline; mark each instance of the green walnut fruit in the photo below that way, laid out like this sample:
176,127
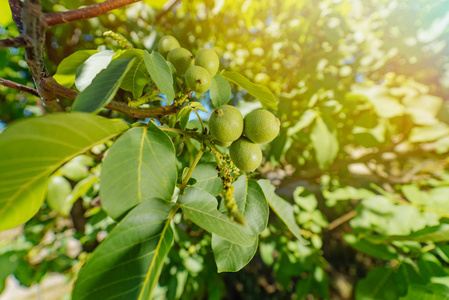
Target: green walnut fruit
166,44
58,189
181,59
222,144
198,79
261,126
208,59
226,124
74,171
245,154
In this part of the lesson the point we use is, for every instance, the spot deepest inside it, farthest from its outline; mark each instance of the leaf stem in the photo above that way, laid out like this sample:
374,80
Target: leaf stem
192,167
201,121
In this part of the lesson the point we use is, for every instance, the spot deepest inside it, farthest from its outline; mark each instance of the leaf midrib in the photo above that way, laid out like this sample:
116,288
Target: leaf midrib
156,250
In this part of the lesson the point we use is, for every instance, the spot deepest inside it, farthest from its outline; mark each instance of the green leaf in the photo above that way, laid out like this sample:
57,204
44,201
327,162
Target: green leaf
158,4
128,263
231,257
430,266
201,208
325,143
9,264
34,148
79,190
104,86
160,73
306,119
428,133
181,117
282,208
252,204
65,74
303,289
140,166
430,234
137,77
207,178
405,276
378,284
220,91
58,191
423,292
197,106
262,93
377,250
91,67
384,105
5,16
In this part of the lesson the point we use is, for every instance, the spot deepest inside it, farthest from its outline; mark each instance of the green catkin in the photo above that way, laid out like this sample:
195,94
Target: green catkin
225,168
122,42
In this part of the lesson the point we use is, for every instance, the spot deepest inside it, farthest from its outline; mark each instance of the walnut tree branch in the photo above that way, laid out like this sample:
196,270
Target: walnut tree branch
134,112
88,12
16,7
17,86
34,29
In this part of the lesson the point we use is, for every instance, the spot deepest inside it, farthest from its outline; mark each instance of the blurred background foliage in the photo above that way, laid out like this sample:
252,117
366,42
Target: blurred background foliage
362,153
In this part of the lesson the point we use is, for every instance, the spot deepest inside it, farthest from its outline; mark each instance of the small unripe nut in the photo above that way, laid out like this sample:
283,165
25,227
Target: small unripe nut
261,126
208,59
166,44
181,59
198,79
226,123
245,155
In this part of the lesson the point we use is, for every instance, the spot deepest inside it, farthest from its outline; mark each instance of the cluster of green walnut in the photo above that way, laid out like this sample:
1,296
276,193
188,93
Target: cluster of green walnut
198,69
226,124
242,135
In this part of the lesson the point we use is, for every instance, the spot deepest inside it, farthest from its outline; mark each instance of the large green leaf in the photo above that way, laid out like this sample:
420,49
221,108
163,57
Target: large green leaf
378,284
201,208
207,178
65,74
282,208
262,93
127,264
103,87
220,91
325,143
160,73
253,205
306,119
33,148
137,76
5,14
91,67
140,166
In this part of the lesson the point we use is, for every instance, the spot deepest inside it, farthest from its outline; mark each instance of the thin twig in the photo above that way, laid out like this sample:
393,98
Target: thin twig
140,113
337,222
14,42
165,11
88,12
134,112
23,88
